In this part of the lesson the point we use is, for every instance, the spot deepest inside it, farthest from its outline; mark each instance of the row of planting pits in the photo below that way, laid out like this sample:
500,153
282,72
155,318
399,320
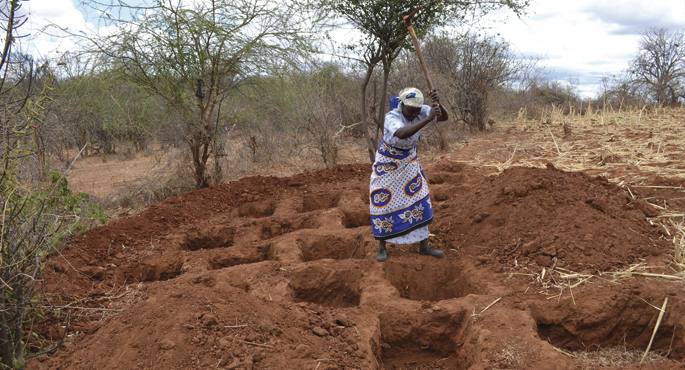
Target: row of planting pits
334,268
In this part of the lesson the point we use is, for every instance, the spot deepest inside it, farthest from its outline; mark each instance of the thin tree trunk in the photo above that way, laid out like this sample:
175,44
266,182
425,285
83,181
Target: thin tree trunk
218,148
371,145
6,339
199,165
442,142
380,120
201,140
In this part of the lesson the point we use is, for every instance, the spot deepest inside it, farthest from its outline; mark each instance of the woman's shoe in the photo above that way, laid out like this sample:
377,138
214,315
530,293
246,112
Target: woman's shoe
430,251
382,255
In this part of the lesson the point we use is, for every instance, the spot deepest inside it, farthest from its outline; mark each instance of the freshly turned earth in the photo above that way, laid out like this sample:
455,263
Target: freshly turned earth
279,273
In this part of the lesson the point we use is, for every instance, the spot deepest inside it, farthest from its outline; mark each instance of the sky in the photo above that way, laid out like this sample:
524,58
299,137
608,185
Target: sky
41,13
581,41
577,42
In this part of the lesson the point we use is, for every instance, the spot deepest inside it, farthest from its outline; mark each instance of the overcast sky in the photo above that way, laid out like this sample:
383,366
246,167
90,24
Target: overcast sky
577,41
582,41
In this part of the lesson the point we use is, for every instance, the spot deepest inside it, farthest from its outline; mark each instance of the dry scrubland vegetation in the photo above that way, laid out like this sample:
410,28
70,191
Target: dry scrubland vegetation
193,97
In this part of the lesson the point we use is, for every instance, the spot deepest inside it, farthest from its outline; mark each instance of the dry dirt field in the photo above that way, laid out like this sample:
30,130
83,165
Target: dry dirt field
565,250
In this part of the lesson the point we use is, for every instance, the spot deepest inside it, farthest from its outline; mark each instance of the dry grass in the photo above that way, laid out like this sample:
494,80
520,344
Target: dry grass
102,176
126,184
511,356
613,357
641,269
629,147
556,282
675,227
168,177
599,142
679,242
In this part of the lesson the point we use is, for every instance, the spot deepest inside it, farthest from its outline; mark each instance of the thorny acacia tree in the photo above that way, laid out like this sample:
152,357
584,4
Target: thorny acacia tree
385,36
659,67
15,251
473,68
103,110
37,210
192,54
317,118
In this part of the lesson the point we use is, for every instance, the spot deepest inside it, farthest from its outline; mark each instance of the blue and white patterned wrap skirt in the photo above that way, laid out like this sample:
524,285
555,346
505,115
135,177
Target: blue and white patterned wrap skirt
398,196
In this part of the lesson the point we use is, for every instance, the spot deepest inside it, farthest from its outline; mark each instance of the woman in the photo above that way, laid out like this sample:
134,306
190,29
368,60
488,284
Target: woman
399,200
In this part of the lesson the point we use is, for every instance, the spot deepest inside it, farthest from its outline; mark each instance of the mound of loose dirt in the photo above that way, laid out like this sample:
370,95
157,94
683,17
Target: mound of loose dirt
268,273
553,217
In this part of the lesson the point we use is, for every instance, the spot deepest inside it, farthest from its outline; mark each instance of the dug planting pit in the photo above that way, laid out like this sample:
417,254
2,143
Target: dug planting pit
240,256
428,279
330,246
155,269
327,284
356,217
411,341
257,209
315,202
209,239
444,178
273,228
441,194
618,336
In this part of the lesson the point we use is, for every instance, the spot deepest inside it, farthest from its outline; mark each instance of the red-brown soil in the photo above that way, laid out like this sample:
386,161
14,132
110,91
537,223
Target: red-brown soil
267,273
549,216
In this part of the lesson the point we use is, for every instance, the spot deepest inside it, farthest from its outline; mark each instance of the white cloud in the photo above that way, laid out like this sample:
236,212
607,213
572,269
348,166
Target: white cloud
43,38
584,40
579,40
635,16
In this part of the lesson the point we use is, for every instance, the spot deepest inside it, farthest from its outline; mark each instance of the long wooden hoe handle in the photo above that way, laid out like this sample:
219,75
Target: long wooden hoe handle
417,47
